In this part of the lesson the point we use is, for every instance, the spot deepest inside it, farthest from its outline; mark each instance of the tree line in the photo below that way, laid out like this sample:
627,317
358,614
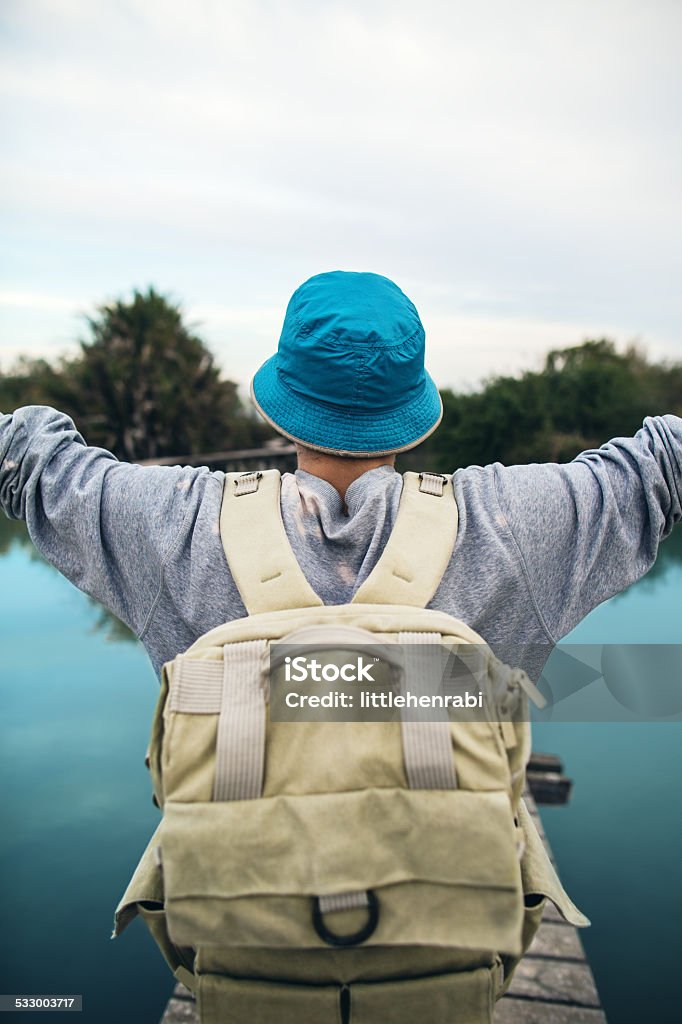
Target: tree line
580,398
144,385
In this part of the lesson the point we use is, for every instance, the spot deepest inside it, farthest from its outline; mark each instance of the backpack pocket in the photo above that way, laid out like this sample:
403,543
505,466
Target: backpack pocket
463,998
439,868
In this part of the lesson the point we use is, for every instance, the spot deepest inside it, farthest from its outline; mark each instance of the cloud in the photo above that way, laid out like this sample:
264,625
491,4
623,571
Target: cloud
520,161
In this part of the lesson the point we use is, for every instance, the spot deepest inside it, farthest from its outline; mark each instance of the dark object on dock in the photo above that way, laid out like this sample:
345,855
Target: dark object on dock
546,780
553,983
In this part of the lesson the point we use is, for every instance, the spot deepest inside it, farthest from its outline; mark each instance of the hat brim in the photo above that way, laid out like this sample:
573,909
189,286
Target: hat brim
339,431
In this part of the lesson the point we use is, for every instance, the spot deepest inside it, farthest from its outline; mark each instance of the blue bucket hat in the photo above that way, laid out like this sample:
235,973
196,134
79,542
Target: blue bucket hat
348,377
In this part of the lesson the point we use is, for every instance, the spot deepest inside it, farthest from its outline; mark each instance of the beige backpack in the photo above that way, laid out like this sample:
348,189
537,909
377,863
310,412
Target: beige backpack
354,872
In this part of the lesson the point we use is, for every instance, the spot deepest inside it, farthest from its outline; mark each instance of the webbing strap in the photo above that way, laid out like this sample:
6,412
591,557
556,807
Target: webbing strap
256,546
343,901
420,545
196,687
240,745
427,743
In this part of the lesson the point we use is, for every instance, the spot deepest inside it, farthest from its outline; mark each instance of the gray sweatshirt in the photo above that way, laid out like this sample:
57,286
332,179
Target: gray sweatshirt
538,546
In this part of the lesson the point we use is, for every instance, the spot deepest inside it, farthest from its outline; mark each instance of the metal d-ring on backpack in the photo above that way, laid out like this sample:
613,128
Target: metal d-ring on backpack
353,872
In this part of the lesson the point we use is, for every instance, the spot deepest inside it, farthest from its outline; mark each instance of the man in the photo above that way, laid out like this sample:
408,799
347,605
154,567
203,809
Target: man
537,548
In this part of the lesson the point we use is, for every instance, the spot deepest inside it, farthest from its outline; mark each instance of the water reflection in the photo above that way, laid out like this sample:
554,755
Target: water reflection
13,533
669,556
76,808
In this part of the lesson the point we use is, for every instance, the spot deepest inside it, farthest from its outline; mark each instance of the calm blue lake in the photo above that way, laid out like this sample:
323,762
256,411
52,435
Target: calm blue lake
76,807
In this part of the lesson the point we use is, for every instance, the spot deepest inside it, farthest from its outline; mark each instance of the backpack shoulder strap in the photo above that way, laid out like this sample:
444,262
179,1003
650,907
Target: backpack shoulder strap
256,546
419,548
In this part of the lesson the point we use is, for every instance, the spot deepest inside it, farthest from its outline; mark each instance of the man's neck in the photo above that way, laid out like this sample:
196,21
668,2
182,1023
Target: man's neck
337,471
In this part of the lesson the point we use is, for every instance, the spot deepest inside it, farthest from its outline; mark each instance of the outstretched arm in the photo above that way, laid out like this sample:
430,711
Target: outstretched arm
588,529
107,526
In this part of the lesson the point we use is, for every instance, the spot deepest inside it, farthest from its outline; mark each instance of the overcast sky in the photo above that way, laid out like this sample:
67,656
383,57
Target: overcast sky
514,167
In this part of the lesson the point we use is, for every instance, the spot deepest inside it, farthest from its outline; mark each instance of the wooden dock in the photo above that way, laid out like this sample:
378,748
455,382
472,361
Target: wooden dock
553,984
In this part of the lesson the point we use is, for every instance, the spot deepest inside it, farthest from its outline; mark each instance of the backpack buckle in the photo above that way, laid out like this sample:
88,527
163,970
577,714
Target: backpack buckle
247,483
432,483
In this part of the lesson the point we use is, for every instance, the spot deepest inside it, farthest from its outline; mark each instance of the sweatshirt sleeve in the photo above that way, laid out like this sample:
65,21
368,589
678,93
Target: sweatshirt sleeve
588,529
107,526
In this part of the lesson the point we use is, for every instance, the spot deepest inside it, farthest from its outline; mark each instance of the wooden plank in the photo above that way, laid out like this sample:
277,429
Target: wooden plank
560,981
180,1011
546,781
524,1011
557,941
182,992
550,787
545,763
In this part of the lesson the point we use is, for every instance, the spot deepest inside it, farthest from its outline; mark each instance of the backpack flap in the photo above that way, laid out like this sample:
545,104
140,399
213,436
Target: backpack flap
440,865
539,877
